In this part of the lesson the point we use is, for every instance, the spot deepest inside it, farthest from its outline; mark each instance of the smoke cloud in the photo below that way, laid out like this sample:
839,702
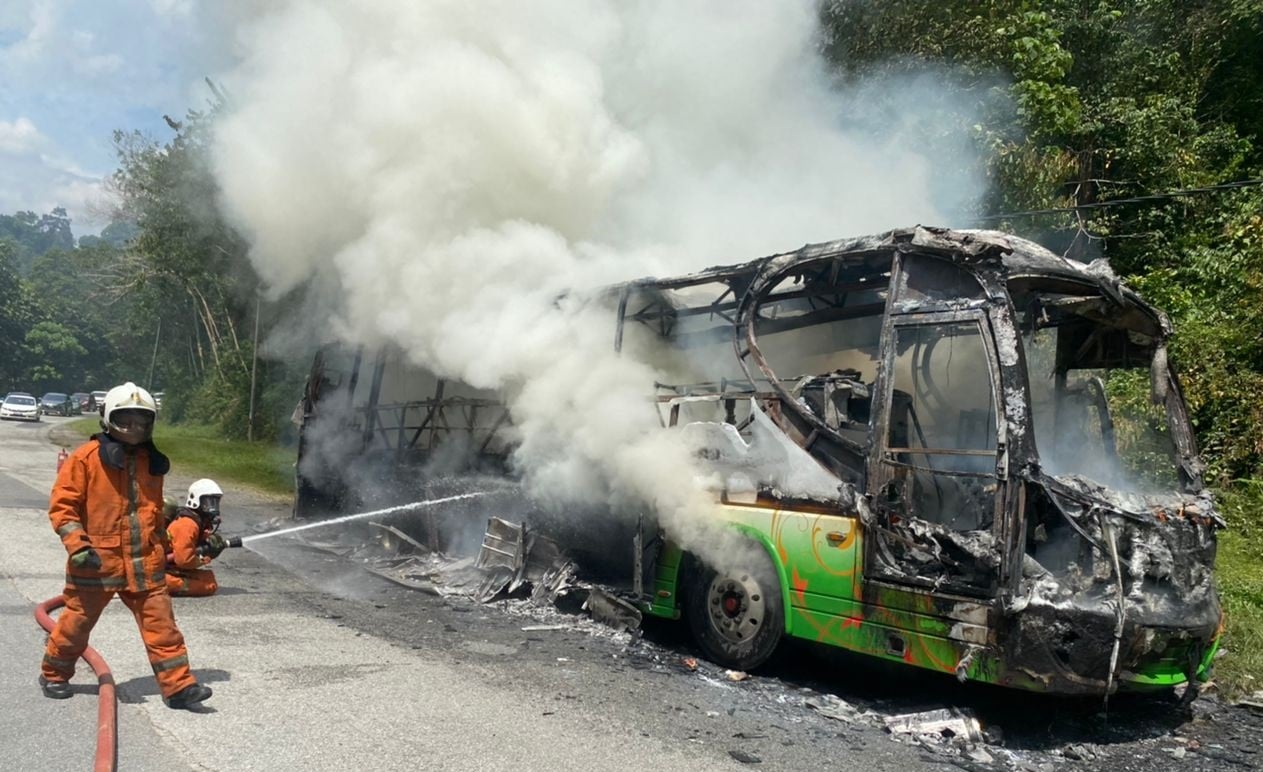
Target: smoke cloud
446,170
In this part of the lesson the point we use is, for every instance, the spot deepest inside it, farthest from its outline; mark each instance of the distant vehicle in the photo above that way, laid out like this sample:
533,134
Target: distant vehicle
57,403
157,398
84,400
19,407
98,399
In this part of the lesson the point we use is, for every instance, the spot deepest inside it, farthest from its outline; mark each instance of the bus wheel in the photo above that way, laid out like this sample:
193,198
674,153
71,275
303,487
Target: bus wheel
736,615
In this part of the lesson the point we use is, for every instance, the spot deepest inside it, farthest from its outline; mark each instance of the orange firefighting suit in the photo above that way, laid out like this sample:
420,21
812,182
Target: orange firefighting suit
108,496
186,567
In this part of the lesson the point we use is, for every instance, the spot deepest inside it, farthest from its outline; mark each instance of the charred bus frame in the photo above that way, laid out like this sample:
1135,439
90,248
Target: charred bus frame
954,449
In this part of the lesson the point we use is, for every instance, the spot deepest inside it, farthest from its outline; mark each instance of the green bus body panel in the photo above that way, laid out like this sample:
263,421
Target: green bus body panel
664,596
819,560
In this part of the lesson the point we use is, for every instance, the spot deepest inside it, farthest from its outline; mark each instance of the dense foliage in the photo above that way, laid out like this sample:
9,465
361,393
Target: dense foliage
1084,102
30,235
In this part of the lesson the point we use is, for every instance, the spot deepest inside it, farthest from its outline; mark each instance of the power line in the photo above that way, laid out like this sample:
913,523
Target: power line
1121,201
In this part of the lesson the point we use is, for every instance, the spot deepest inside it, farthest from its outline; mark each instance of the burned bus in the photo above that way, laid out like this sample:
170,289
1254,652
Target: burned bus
953,449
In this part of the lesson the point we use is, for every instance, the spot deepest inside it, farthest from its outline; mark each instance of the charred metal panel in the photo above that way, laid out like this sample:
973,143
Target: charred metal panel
376,438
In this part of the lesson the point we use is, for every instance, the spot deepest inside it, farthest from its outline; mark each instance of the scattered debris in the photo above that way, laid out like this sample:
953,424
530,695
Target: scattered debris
945,722
745,758
394,540
736,675
993,735
512,556
1253,700
1078,752
406,578
834,707
542,628
980,755
613,611
689,663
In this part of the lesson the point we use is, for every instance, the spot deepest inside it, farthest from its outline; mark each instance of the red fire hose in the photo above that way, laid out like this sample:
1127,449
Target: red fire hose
107,701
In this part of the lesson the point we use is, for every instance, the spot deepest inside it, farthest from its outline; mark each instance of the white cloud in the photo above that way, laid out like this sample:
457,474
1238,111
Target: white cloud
103,64
74,71
172,7
41,26
40,183
20,136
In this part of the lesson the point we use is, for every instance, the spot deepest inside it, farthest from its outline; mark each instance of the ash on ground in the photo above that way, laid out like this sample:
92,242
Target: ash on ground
525,575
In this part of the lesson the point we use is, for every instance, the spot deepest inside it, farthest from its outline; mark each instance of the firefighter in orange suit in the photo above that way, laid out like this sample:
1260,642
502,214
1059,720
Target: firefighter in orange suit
107,508
193,542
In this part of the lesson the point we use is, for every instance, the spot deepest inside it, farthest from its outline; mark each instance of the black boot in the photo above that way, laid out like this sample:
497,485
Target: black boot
189,696
57,690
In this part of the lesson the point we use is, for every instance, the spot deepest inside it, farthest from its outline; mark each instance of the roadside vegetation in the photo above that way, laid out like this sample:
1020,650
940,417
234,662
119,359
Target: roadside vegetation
1240,574
201,451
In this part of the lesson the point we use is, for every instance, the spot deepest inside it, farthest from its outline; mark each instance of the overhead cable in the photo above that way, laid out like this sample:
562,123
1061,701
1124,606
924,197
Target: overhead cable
1183,193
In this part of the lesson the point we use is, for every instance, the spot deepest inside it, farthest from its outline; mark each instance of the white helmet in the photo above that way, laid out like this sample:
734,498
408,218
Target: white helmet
200,488
129,400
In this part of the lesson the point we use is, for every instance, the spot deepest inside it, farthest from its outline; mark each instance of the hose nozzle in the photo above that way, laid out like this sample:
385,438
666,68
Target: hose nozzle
234,541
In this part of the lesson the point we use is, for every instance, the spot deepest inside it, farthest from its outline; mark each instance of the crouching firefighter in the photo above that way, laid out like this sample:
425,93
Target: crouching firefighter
193,541
107,508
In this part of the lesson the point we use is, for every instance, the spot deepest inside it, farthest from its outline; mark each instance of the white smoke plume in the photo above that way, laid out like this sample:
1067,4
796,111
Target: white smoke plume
446,169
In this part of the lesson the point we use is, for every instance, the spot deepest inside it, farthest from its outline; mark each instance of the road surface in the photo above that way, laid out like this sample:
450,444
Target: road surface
318,665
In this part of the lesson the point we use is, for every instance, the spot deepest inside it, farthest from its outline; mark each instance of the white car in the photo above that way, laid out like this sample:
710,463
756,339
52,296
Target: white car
20,407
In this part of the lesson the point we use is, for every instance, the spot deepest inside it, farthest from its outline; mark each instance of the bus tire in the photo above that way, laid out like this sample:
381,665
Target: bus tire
737,616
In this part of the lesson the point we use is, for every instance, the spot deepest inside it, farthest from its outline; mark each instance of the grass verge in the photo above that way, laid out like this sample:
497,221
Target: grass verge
196,451
1239,572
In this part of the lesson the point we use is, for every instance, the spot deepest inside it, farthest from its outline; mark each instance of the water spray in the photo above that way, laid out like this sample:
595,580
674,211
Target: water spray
375,513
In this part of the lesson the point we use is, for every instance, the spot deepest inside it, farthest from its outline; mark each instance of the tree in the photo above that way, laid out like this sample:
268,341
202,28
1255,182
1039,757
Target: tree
64,286
34,235
56,355
185,271
1087,101
16,314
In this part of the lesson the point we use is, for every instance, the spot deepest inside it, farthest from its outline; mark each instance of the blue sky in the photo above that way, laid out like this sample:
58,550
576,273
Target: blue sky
73,71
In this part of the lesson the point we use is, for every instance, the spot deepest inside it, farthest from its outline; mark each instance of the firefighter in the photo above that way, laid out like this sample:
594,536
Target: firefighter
193,542
107,508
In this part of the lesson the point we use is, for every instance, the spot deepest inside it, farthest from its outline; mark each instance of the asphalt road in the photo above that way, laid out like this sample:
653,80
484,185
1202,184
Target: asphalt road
317,665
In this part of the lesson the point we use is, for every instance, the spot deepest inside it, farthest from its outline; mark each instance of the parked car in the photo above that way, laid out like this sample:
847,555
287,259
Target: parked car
98,399
84,400
57,403
20,407
157,398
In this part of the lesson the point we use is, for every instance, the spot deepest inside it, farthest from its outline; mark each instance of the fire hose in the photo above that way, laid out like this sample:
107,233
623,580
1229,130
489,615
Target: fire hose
107,702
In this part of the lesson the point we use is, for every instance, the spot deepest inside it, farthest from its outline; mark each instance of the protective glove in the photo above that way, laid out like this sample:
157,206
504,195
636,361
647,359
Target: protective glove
86,558
215,544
